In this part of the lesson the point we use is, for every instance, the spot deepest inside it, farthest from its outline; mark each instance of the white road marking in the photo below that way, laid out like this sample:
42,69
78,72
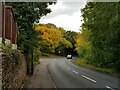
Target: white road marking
72,70
75,72
68,68
89,78
109,87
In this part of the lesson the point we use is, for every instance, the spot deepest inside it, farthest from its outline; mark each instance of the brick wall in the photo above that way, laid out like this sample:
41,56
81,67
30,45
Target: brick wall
12,76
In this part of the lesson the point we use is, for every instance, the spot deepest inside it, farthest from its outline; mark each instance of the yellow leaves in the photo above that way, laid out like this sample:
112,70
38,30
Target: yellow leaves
66,43
45,35
52,38
50,35
82,39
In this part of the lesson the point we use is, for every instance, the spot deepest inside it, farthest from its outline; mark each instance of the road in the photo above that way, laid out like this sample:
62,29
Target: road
65,74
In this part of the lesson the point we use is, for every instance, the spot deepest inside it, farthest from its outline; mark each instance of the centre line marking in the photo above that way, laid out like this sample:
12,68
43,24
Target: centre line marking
68,68
75,72
109,87
89,78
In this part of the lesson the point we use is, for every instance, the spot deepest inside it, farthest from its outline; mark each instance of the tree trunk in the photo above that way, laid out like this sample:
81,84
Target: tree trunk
32,62
28,68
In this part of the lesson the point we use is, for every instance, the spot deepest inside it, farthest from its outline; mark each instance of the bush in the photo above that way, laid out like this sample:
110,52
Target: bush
14,55
6,48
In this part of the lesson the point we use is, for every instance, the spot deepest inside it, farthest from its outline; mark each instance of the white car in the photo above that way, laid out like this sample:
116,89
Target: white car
69,56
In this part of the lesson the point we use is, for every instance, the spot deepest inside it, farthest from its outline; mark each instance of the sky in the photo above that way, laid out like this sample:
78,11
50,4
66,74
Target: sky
65,14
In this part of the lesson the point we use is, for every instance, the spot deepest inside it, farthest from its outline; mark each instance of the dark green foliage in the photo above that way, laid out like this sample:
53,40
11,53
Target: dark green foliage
27,13
103,21
70,36
17,57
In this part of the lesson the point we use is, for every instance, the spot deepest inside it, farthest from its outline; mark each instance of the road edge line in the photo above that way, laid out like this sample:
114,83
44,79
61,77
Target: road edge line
51,79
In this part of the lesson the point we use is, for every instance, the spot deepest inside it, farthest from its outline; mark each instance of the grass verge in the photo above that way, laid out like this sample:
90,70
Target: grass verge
109,71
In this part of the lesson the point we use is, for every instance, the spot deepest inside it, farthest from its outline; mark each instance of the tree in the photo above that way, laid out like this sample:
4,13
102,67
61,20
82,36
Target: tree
27,13
83,45
102,19
52,39
70,36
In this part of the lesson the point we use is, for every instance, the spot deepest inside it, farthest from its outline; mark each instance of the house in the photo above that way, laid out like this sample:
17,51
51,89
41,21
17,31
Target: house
8,28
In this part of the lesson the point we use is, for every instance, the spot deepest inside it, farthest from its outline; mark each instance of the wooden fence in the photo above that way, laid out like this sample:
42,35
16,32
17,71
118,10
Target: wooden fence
9,26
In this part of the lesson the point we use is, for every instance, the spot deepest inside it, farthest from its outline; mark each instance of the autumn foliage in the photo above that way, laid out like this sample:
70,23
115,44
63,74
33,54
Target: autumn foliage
51,38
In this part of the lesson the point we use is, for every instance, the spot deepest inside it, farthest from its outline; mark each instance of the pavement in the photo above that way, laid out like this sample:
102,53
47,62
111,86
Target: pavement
40,78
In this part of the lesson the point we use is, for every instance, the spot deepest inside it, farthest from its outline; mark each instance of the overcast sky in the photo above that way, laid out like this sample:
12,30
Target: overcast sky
65,14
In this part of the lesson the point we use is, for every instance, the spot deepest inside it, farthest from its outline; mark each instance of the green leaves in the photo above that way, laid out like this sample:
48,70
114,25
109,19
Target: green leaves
102,19
83,45
27,13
